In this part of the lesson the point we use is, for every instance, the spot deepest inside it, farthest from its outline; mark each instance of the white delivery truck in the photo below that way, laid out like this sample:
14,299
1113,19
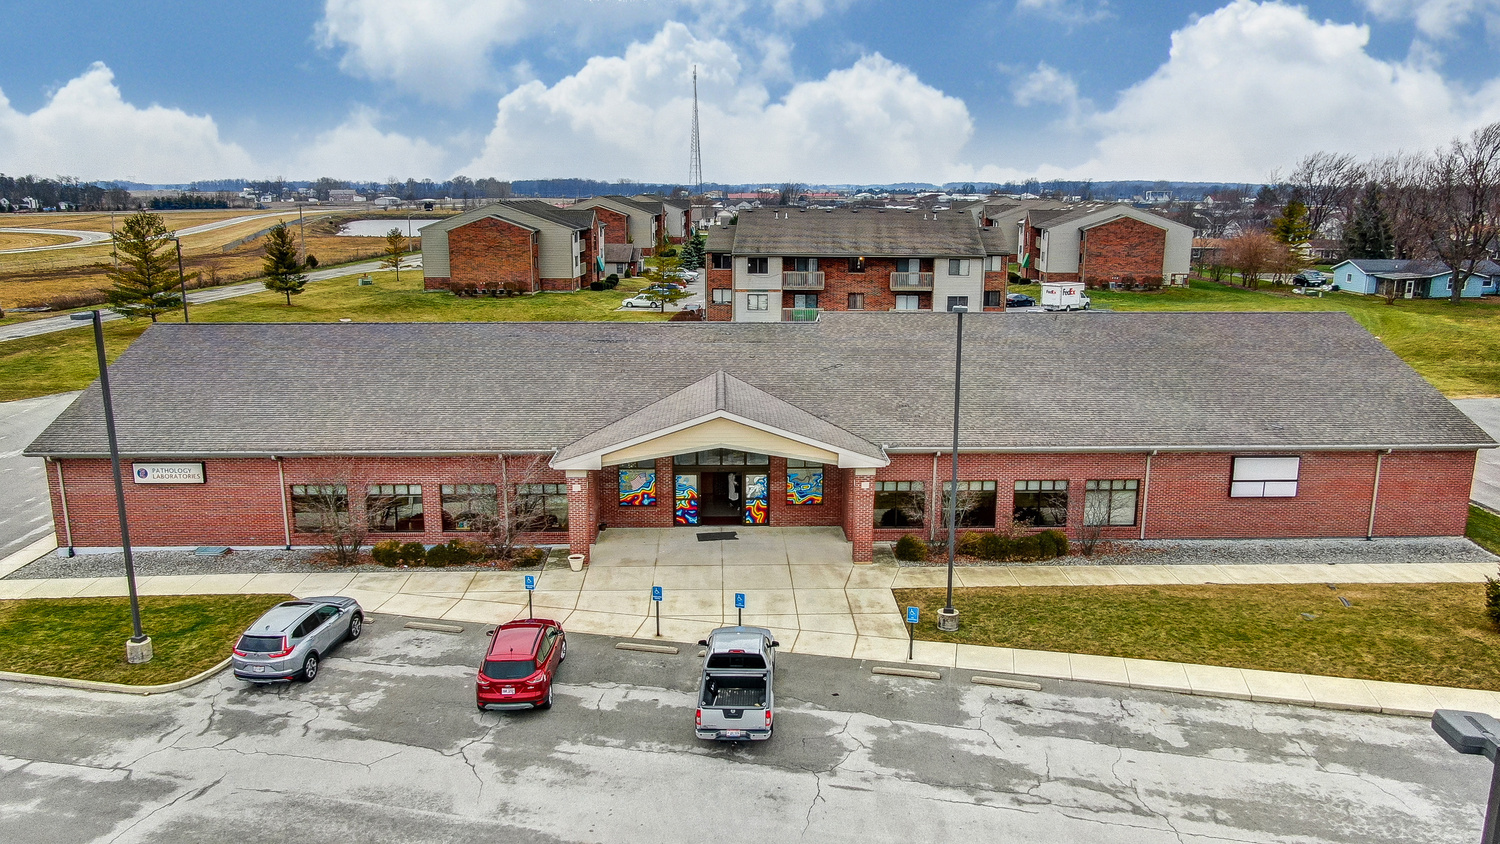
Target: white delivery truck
1064,296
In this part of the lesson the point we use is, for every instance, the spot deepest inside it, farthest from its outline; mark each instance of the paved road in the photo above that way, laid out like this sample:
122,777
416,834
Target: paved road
25,512
386,746
1486,414
47,325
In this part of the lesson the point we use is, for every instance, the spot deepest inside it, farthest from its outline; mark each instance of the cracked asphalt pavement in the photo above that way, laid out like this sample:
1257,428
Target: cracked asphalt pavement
386,745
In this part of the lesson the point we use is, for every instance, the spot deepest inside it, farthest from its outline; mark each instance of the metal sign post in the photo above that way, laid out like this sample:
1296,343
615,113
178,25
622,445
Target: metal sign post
530,587
739,604
656,596
912,615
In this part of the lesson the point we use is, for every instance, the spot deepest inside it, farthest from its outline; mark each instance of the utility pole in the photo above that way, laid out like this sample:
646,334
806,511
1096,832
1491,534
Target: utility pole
301,236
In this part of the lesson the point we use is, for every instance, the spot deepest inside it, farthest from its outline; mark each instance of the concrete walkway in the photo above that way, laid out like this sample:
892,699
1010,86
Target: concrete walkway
801,583
1486,414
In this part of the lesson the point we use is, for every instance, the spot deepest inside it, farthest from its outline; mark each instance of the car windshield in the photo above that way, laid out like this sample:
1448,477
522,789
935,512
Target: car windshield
736,661
260,644
508,669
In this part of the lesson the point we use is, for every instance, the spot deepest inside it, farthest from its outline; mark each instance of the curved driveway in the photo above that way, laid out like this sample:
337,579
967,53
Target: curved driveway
88,238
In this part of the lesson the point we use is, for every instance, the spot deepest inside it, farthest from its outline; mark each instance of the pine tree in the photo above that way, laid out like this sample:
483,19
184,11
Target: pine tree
395,244
144,283
692,252
282,266
1369,234
1291,227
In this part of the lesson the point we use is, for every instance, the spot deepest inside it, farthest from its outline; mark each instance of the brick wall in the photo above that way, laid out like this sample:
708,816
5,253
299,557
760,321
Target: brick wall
616,225
492,252
1119,248
874,283
859,515
718,279
996,280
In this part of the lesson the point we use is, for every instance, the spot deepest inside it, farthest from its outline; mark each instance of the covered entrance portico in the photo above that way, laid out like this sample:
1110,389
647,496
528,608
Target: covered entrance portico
734,455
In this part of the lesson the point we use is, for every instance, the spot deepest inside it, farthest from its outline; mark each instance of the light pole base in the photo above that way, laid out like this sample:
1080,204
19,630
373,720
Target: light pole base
948,620
138,652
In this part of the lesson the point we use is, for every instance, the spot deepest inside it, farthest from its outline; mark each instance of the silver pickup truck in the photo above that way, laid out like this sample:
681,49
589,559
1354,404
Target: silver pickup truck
735,700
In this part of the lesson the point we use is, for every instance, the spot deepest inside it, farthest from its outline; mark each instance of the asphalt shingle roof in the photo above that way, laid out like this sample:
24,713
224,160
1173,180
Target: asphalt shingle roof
547,211
1031,381
846,232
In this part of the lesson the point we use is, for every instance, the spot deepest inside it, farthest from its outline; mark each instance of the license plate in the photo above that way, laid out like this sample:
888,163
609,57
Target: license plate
260,669
734,734
507,690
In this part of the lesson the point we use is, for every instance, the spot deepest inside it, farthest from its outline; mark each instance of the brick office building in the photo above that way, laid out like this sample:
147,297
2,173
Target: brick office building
1136,425
789,265
521,245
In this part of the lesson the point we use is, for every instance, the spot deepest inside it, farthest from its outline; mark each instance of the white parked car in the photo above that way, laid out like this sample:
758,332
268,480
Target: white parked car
640,301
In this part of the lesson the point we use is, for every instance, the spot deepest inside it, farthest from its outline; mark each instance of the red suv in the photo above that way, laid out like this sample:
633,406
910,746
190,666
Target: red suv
520,665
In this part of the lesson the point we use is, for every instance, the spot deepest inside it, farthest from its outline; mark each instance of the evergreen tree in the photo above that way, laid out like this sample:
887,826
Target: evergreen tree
1368,234
282,267
144,281
661,275
693,255
1291,227
395,244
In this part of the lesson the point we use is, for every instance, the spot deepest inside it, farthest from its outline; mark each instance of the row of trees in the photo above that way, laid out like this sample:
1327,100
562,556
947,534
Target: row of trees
53,193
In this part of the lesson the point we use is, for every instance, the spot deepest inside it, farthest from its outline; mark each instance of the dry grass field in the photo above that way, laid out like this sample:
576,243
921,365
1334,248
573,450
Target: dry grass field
18,240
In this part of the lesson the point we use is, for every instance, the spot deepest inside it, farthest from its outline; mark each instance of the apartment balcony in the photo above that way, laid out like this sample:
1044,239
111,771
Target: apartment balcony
801,314
801,281
908,282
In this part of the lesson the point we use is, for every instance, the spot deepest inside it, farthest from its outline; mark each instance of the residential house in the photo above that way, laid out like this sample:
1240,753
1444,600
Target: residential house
521,245
789,264
1100,243
1423,278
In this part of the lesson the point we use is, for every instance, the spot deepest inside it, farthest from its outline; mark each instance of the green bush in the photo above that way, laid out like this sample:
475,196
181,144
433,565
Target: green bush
312,261
528,557
911,548
611,281
412,553
1054,543
1026,548
1492,599
969,544
596,286
454,552
387,552
994,547
438,556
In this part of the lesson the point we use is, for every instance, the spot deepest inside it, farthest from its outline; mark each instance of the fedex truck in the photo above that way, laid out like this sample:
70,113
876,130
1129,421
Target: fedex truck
1064,296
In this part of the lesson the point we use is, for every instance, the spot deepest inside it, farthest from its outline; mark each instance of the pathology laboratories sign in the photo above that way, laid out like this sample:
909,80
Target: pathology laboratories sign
167,473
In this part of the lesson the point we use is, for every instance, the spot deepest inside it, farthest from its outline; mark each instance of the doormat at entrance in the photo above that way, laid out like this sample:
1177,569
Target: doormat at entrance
717,537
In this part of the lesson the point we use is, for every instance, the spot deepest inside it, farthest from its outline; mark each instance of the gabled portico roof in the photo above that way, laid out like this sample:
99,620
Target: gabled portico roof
718,408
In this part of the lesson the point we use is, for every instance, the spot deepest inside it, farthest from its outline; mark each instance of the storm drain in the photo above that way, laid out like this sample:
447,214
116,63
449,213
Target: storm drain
720,536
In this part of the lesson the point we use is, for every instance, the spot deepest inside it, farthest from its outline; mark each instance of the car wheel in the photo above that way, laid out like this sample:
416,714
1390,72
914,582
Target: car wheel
546,704
356,626
563,653
309,668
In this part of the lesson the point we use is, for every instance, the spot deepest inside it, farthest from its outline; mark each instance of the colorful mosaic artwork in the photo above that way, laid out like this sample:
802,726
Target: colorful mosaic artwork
637,487
757,499
804,487
685,509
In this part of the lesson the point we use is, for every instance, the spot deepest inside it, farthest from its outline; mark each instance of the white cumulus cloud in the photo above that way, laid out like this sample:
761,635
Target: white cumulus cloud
87,129
1254,86
358,149
630,115
1436,18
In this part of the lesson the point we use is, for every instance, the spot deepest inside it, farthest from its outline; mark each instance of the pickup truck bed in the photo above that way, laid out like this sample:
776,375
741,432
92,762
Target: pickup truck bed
734,693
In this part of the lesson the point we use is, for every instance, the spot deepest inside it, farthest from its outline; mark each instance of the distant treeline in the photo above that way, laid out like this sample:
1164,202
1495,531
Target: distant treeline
52,193
184,201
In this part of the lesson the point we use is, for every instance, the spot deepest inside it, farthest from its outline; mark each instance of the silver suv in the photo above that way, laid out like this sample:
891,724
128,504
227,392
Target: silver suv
292,637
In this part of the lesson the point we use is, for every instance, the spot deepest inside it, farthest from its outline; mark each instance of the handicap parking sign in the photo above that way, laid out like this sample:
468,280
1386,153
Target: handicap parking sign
739,600
530,583
656,593
912,614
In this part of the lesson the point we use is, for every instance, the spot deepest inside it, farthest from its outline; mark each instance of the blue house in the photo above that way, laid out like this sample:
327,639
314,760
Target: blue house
1412,279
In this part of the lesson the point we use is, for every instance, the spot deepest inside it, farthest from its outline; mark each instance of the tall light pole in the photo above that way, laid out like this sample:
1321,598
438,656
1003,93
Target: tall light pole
181,279
948,616
138,647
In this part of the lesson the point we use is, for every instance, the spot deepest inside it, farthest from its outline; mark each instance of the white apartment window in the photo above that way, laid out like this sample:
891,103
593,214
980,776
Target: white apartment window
907,301
958,266
957,302
757,301
758,266
1264,477
721,295
908,265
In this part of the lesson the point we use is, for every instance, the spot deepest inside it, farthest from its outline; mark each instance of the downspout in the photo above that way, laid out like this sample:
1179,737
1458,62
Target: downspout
1146,491
931,491
62,492
286,519
1375,494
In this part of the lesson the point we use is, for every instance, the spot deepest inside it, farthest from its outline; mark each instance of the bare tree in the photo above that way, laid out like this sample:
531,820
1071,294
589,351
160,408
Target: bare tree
1462,203
1327,183
788,193
322,509
506,503
1401,180
1252,254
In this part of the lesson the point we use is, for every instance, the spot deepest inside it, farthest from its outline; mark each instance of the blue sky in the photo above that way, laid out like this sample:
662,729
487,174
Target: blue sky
822,91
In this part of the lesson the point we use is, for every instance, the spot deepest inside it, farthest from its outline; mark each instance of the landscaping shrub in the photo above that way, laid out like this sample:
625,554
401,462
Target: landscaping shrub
611,281
1026,548
994,546
1053,543
454,552
312,261
438,557
911,548
528,557
387,552
596,286
1492,599
412,554
969,544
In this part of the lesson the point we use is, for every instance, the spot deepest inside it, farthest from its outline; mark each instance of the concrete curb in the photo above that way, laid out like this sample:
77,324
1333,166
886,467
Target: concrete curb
119,688
28,555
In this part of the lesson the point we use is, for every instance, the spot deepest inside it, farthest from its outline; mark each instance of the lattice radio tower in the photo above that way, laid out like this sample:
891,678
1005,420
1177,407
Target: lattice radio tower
695,165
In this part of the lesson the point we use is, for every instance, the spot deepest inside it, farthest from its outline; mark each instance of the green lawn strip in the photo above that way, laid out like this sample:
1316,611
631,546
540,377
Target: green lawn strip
84,638
1435,634
1455,348
65,360
1484,529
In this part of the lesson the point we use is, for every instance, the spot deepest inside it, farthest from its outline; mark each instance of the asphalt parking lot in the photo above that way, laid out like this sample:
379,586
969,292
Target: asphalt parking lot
386,745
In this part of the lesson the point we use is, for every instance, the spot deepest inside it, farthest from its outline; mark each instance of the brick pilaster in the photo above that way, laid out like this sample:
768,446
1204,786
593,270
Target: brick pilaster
859,513
583,526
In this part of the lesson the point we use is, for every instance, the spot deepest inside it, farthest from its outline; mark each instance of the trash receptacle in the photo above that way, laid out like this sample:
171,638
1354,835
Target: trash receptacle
575,562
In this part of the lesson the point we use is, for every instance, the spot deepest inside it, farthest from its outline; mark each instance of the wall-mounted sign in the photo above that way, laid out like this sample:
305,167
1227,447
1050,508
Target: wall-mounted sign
167,473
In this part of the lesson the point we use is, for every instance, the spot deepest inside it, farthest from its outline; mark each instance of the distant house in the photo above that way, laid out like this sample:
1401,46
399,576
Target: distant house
1412,279
675,214
620,258
627,220
1322,250
1094,242
526,245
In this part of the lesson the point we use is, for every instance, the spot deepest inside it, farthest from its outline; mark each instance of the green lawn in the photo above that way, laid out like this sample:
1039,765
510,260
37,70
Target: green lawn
1484,529
1427,633
1455,348
65,360
84,638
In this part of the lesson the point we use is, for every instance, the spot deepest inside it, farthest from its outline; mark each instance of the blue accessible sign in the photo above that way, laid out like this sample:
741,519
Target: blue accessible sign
912,614
656,593
530,583
739,600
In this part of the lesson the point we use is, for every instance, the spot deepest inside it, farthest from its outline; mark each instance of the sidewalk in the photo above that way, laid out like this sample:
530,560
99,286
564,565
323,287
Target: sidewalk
825,609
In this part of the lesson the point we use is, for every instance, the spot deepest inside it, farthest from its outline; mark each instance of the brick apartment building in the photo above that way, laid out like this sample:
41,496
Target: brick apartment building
789,265
1095,242
521,245
1145,426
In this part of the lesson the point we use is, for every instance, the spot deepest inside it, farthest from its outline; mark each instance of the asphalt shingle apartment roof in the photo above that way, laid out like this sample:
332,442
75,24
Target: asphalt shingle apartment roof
868,232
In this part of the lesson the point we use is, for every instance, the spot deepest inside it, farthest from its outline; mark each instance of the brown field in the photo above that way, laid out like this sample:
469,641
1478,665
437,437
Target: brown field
98,221
16,240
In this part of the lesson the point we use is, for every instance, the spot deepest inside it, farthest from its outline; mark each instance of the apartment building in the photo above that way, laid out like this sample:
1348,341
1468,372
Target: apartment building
676,215
626,220
1094,242
521,245
790,265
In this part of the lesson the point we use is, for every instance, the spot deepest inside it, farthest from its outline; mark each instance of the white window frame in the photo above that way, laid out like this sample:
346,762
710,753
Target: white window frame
957,302
1264,477
722,296
958,266
757,301
765,266
914,299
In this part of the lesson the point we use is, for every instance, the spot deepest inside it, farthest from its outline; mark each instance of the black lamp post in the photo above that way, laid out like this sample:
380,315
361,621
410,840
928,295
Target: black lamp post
1477,733
138,648
181,279
948,615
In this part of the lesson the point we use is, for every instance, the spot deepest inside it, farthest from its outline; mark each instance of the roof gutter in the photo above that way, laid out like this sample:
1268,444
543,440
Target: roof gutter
276,455
1140,449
